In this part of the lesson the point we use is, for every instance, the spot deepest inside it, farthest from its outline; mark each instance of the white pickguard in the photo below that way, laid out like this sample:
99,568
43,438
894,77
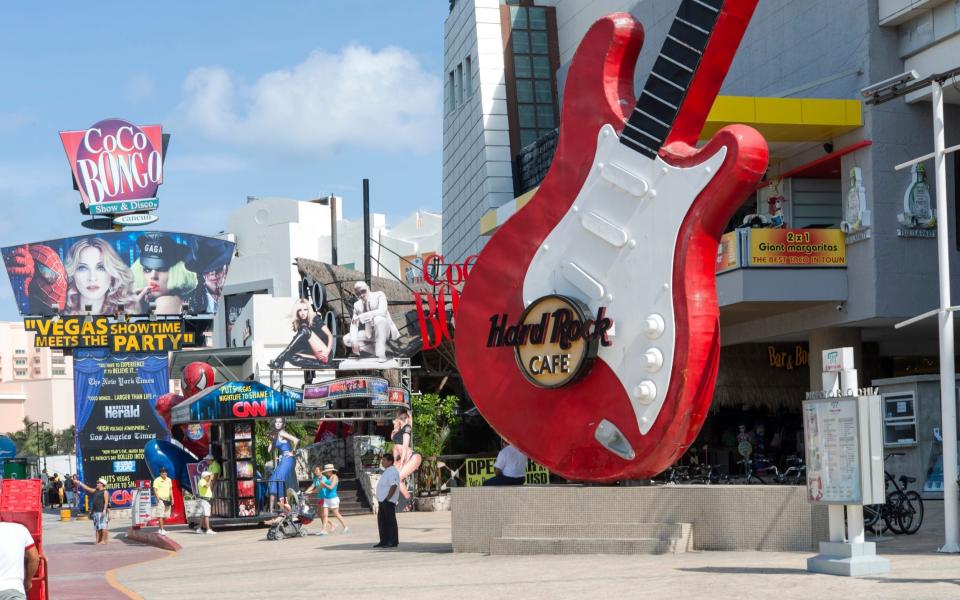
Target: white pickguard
615,248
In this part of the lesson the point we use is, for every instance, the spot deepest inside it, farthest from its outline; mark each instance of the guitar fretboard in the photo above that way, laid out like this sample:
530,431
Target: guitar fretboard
663,93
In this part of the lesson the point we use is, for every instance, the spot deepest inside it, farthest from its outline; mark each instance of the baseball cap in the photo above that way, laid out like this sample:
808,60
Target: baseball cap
102,480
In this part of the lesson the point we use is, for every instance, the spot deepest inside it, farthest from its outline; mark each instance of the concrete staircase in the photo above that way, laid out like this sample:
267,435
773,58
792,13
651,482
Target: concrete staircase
593,538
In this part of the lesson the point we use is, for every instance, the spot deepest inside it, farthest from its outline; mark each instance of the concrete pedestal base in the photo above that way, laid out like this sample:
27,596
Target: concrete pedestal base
849,560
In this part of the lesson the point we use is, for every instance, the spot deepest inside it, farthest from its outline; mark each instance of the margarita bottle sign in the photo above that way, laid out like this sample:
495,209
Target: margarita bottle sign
916,200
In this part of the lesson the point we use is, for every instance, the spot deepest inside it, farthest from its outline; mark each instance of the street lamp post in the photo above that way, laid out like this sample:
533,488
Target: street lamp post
878,94
43,450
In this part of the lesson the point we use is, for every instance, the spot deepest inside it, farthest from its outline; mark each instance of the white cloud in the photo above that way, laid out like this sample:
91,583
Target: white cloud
381,100
141,87
203,163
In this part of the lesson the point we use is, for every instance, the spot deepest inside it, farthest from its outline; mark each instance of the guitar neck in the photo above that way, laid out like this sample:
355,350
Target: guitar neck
666,87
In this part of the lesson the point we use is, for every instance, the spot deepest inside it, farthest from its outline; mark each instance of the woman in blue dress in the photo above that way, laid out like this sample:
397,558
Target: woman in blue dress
286,447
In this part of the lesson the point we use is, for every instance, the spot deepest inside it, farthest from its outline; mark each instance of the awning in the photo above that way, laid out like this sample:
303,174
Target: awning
236,401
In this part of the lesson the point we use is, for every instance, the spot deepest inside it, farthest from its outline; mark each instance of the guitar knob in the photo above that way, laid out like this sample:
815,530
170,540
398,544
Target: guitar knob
645,391
654,359
654,326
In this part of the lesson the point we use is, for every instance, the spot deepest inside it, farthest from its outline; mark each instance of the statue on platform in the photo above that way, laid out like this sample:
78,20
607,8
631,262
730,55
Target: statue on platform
371,324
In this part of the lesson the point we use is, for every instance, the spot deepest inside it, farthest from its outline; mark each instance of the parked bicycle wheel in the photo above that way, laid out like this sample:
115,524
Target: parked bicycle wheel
871,515
891,512
910,512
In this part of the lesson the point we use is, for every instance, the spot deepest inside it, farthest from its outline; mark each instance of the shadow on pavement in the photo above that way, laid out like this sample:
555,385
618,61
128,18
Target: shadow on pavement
909,580
419,547
746,570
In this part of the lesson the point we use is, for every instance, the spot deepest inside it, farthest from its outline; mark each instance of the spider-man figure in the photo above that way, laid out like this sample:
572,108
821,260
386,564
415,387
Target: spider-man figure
44,277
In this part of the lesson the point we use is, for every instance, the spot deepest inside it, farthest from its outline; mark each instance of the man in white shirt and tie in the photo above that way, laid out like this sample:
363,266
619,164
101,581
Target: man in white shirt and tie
387,495
371,324
510,467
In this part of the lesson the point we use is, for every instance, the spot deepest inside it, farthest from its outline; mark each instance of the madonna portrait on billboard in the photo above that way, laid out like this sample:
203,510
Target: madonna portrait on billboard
98,281
160,275
312,345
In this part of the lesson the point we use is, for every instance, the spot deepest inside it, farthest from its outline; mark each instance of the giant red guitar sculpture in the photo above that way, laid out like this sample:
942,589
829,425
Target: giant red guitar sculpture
628,218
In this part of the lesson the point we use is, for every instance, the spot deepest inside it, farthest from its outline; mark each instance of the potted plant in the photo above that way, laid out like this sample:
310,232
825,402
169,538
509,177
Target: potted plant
434,419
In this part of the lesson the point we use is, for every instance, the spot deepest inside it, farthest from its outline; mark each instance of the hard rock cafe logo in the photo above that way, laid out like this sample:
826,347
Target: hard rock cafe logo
555,341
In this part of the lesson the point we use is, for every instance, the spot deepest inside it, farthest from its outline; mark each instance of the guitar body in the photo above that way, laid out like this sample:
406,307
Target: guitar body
613,228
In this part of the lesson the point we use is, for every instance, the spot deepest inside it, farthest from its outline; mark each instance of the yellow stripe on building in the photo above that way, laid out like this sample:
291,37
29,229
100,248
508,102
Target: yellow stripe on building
777,119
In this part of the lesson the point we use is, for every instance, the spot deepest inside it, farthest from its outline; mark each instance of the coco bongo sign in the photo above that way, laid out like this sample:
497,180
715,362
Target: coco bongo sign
555,341
117,165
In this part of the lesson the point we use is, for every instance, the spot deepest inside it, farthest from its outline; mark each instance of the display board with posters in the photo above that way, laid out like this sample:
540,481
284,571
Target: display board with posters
115,398
844,449
133,272
479,470
796,248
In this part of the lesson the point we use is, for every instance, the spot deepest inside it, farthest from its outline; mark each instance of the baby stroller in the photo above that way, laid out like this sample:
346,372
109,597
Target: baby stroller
295,515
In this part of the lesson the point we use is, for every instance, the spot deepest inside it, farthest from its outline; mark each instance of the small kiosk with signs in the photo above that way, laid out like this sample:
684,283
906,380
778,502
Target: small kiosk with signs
232,408
843,437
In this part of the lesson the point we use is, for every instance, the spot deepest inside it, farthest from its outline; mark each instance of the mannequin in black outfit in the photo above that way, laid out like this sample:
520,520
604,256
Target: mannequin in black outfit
312,345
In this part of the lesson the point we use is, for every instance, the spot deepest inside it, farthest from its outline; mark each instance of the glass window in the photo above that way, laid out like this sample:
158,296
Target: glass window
521,66
537,18
467,77
545,116
524,90
541,67
521,42
527,115
518,17
544,92
538,42
459,84
451,95
899,419
527,136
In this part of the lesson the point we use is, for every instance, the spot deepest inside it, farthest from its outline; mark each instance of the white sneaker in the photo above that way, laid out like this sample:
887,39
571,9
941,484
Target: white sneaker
211,532
198,530
162,532
323,533
346,530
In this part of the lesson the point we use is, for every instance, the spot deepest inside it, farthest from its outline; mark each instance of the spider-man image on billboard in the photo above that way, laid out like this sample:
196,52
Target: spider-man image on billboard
131,272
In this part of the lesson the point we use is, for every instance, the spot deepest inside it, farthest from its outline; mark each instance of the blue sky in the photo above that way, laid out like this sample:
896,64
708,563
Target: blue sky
275,98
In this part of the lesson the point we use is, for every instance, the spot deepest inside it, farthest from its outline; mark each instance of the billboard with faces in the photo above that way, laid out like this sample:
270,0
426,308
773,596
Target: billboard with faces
134,272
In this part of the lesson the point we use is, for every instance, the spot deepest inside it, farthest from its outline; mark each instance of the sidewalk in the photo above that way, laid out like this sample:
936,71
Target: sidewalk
243,564
78,567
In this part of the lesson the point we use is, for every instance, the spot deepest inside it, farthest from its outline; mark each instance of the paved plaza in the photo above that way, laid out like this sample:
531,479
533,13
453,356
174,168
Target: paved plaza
241,563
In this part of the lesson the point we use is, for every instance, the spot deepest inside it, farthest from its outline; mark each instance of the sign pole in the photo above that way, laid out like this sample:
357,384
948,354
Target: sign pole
948,410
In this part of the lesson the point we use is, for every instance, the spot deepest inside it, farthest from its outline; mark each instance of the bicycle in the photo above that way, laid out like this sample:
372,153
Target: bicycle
903,510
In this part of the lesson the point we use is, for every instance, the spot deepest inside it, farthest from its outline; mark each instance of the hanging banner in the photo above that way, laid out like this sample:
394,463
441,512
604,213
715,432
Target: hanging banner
479,470
96,332
115,396
116,165
134,272
797,248
728,252
315,394
396,396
